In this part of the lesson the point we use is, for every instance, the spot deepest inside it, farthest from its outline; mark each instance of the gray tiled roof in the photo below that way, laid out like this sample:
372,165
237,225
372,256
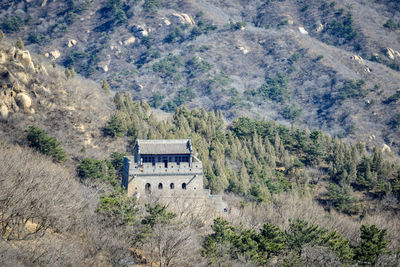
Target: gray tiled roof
164,146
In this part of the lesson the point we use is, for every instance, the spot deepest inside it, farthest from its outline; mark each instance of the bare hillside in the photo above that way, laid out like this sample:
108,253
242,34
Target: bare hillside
330,65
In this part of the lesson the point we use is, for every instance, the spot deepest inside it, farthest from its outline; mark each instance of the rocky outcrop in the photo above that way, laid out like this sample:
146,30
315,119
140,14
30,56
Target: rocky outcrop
140,31
3,112
71,43
23,101
181,18
392,54
386,148
16,72
25,59
302,30
319,27
243,49
357,58
55,54
129,41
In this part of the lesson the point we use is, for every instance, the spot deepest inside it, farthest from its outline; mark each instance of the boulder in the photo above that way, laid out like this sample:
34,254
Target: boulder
104,68
166,21
140,31
25,59
319,28
182,18
390,53
55,54
22,76
302,30
243,49
71,43
23,101
41,69
3,112
3,57
129,41
11,52
357,58
386,148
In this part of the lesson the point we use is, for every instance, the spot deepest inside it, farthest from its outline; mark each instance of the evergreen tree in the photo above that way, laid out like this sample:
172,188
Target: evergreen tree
373,243
116,126
301,233
45,144
106,86
2,35
272,242
19,44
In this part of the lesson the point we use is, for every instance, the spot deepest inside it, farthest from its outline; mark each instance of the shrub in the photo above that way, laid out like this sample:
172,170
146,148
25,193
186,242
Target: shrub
201,28
169,67
395,121
196,65
342,27
393,98
19,43
236,25
119,206
117,160
115,126
38,38
151,6
373,243
94,169
156,100
276,88
45,144
170,106
342,200
352,89
12,24
291,112
176,35
106,86
392,24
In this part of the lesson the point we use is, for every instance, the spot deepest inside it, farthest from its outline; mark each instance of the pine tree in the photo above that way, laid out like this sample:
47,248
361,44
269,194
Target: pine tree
106,86
301,233
272,242
72,72
45,144
2,35
373,243
67,73
19,44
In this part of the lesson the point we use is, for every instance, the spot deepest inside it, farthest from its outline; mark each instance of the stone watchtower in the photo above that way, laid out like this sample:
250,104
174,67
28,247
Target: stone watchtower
164,168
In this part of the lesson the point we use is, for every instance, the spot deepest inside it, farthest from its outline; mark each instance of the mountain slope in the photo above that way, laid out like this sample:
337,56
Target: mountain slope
224,52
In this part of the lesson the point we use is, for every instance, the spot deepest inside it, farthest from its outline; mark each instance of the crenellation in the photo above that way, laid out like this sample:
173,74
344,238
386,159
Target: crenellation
165,168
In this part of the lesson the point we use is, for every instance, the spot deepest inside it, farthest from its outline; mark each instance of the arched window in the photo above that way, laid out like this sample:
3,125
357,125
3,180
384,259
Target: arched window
148,189
160,186
184,186
172,186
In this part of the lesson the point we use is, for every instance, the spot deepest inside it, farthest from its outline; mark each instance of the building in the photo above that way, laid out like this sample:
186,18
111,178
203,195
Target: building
165,168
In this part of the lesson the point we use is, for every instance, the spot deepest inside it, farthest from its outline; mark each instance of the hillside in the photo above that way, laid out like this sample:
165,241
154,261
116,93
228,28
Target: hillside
259,166
244,58
292,107
33,92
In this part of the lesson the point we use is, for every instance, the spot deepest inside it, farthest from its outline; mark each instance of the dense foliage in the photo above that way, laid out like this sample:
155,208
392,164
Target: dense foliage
259,158
228,243
46,144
